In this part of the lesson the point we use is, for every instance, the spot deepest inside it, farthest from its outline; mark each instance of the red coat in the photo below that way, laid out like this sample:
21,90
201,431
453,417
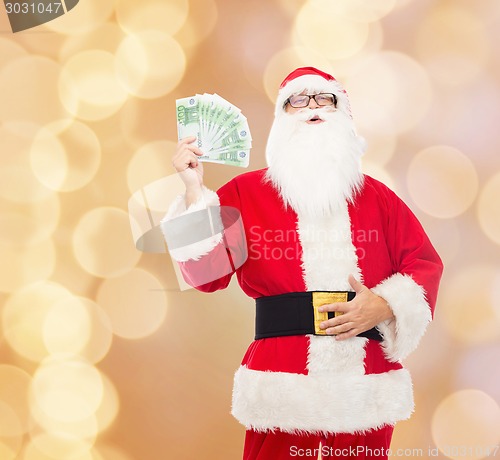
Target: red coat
311,383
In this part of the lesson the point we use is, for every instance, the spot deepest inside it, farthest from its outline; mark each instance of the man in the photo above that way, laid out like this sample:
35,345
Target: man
319,237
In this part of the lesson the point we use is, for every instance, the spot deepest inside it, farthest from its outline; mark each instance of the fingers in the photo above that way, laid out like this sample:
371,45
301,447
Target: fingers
355,284
339,308
187,144
186,155
187,140
346,335
344,330
347,324
185,161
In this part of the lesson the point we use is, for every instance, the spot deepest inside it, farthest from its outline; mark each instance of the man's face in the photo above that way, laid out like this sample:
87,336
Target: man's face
326,103
315,168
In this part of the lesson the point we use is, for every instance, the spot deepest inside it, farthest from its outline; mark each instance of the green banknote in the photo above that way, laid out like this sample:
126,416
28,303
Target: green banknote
188,117
221,130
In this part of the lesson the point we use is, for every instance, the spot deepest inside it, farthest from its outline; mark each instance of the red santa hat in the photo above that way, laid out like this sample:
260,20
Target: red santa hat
313,81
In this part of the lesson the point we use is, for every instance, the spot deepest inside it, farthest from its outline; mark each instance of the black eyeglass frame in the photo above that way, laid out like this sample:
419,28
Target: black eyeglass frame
312,96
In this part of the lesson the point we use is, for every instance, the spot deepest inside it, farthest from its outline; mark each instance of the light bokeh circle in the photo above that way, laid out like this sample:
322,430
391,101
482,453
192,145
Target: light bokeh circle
478,369
378,171
67,389
9,449
442,181
48,160
149,163
50,446
200,22
495,294
14,387
402,4
10,51
10,427
66,327
291,7
18,184
156,197
330,34
22,323
470,320
88,86
167,17
465,425
83,430
101,333
345,67
487,209
22,265
389,89
355,10
102,243
28,223
86,428
22,99
111,452
286,60
136,303
452,44
109,408
340,67
106,37
446,235
381,145
65,156
142,66
83,18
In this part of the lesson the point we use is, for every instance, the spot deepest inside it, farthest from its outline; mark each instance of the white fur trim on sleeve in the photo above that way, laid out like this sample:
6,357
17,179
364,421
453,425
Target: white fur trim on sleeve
177,210
178,207
412,314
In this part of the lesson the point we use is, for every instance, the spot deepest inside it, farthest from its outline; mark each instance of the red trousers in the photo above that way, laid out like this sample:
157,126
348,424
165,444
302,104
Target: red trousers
372,445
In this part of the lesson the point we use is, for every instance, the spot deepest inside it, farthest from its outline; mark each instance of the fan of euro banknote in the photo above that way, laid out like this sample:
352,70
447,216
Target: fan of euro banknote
221,130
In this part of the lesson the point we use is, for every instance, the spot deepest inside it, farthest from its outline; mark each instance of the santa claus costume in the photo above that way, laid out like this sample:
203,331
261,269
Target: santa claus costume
293,229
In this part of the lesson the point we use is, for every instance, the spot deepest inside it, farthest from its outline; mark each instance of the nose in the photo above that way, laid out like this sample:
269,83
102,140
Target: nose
312,104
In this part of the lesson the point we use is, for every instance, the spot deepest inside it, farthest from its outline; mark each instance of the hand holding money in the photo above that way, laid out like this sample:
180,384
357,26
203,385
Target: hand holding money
220,129
186,163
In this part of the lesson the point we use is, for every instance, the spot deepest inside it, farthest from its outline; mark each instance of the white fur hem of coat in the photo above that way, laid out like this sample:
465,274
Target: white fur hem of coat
297,403
412,312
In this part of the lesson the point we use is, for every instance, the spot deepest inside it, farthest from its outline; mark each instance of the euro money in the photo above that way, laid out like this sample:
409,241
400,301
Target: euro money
188,117
221,130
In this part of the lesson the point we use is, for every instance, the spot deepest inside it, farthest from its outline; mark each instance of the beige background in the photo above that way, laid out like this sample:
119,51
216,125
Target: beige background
103,356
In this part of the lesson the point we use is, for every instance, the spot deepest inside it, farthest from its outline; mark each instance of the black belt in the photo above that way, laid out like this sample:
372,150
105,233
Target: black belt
296,313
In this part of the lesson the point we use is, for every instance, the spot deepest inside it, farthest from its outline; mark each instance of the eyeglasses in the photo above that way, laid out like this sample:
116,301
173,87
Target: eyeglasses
302,100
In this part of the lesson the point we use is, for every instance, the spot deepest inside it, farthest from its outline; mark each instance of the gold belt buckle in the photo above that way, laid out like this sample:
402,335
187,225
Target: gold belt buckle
323,298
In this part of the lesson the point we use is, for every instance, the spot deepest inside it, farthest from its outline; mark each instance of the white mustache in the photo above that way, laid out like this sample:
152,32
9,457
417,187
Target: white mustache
325,113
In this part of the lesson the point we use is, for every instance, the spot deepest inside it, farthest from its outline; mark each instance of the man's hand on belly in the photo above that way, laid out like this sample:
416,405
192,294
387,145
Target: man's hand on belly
362,313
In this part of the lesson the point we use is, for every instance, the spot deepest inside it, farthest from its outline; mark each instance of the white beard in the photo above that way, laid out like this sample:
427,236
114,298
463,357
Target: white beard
315,167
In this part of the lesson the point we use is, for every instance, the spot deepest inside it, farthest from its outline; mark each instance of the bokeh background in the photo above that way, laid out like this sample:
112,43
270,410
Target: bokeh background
103,355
